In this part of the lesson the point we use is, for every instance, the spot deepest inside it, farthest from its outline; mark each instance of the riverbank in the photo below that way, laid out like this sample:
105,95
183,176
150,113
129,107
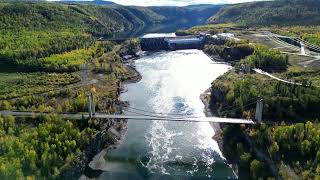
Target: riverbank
264,150
218,132
108,137
135,75
205,98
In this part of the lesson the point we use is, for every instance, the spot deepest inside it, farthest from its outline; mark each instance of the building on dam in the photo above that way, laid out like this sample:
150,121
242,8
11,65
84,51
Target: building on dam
172,43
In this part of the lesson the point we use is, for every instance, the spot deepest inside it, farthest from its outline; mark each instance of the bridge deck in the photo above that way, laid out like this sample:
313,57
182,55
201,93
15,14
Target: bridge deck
131,117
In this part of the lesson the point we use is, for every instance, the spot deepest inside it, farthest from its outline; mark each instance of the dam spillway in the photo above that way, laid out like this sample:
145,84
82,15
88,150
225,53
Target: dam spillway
171,43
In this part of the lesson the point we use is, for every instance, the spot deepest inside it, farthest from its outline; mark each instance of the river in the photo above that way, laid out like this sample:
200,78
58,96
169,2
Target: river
171,83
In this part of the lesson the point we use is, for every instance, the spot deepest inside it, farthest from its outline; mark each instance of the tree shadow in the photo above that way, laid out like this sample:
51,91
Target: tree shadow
10,67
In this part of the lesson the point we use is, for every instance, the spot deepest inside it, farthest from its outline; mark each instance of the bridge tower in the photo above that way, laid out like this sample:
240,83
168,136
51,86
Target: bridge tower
93,106
259,108
89,105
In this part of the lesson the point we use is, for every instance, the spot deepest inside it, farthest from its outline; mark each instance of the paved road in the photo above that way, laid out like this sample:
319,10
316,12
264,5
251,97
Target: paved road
131,117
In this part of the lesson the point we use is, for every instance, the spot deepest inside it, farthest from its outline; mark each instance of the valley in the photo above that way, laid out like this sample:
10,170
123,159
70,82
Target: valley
54,54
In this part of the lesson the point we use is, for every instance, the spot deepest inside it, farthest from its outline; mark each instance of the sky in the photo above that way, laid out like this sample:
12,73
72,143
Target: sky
174,2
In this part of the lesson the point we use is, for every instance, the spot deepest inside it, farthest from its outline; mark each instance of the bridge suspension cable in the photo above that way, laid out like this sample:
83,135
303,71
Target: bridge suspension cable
182,116
152,112
186,119
249,104
227,108
155,116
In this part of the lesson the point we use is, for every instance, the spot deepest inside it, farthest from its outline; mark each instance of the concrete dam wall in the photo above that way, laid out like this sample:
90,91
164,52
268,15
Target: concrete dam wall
172,43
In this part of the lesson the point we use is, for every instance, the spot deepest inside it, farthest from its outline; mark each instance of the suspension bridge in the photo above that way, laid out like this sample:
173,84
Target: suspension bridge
132,117
143,115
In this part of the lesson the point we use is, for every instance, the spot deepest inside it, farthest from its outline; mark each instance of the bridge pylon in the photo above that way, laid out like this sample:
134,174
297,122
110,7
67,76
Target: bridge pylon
93,106
259,109
89,105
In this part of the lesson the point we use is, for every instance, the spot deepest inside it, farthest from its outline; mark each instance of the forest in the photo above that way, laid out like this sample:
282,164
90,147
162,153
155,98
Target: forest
41,147
266,13
49,55
65,92
46,146
264,58
285,145
293,150
31,46
246,55
289,137
44,34
230,50
45,74
281,101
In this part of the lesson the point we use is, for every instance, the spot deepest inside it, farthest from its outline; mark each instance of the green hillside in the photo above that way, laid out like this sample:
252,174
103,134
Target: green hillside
195,14
278,12
33,30
86,18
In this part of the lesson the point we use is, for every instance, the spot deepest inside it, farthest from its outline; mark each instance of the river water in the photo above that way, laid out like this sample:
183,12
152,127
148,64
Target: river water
171,83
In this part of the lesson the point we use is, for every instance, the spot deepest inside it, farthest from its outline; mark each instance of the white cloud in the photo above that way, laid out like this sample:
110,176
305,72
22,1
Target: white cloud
175,2
171,2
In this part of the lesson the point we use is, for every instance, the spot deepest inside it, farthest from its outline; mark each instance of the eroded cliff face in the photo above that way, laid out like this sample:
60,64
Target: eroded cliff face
111,133
217,99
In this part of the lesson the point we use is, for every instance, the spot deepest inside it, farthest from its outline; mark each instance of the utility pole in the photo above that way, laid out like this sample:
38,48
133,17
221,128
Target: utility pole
259,108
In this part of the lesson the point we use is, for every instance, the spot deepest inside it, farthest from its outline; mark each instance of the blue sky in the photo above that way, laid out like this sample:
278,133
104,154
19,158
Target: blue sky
175,2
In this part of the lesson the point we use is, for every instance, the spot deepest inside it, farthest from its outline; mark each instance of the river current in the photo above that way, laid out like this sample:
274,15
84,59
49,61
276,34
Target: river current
171,84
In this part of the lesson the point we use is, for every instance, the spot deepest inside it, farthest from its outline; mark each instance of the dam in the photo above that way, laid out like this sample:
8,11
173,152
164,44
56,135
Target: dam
172,43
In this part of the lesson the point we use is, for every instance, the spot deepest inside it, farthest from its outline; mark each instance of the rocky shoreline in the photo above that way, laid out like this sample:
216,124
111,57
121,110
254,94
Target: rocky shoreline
218,137
104,138
205,98
98,162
